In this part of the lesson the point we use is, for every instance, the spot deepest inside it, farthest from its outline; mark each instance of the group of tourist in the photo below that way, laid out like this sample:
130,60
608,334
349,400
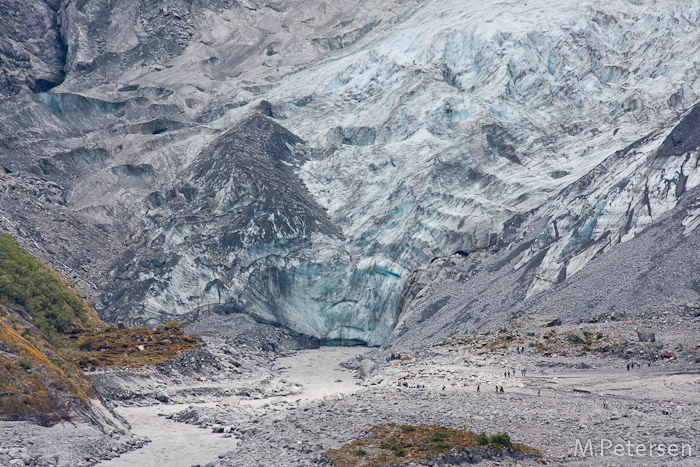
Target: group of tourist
650,359
412,386
397,356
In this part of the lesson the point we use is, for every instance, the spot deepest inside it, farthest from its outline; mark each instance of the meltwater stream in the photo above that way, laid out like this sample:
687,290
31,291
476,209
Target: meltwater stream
175,444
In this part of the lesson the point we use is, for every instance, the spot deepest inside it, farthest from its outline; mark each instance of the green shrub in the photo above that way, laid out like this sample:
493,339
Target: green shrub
502,330
407,428
697,359
599,335
25,363
27,334
26,281
360,452
499,438
441,446
503,439
398,450
439,436
56,360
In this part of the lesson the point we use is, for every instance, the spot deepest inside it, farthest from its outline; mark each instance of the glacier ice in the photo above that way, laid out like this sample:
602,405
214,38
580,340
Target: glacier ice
437,127
416,129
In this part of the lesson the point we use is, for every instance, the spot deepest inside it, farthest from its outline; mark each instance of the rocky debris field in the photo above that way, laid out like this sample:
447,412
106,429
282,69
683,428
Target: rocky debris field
220,371
66,444
239,365
289,407
199,376
566,394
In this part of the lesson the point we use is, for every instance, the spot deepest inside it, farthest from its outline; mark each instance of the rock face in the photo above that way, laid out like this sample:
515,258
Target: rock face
306,163
32,51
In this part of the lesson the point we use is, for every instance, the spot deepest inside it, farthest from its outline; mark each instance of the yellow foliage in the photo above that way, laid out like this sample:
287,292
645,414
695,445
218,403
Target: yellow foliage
24,391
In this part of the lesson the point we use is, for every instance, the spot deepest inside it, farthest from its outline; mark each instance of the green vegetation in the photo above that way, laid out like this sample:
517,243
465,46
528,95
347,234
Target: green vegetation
27,334
438,436
407,428
398,450
26,281
441,446
697,359
385,443
25,363
503,439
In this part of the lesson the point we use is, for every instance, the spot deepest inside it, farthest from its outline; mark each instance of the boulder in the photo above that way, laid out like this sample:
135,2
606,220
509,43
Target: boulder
576,336
646,335
366,368
161,396
537,321
232,400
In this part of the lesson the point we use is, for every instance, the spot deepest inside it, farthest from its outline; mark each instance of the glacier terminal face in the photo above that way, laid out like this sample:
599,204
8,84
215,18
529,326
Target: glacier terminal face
300,162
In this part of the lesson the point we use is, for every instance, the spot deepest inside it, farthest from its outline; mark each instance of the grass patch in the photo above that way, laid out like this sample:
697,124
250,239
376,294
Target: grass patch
439,436
407,428
117,345
25,363
441,446
398,450
387,442
503,439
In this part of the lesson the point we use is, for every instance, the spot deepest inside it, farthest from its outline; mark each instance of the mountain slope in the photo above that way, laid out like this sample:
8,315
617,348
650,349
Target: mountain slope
600,249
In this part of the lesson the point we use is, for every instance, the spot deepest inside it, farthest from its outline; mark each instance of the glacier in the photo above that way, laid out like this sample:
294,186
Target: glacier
403,132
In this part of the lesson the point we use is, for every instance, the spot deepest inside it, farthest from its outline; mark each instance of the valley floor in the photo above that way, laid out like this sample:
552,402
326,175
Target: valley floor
567,397
181,445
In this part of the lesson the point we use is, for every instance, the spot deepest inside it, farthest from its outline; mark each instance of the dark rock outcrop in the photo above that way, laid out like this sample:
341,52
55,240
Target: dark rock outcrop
32,50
